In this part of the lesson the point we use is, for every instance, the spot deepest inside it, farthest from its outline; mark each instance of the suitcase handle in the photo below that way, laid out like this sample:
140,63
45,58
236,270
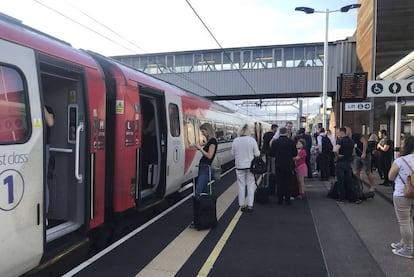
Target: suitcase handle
209,183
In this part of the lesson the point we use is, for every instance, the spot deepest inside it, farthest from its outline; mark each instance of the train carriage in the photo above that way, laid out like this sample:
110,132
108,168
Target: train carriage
121,140
38,71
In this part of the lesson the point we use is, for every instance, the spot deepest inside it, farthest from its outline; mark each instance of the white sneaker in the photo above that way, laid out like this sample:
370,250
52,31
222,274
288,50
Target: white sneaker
403,253
396,245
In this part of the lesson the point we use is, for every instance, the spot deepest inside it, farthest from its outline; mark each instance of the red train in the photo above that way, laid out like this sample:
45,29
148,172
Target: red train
120,139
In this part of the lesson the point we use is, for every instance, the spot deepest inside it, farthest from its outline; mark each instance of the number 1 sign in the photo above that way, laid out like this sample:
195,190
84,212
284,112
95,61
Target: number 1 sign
11,189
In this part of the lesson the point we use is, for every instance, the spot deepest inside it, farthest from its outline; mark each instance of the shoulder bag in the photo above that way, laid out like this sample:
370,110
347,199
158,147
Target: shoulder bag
408,186
258,166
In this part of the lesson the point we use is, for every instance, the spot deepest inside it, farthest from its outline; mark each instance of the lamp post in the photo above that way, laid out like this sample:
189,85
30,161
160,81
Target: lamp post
325,52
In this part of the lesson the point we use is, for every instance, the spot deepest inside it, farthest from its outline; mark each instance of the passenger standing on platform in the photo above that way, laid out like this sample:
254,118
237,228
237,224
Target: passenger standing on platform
308,140
244,149
208,152
372,148
324,155
344,150
362,159
284,150
266,143
400,173
332,138
301,167
385,148
288,126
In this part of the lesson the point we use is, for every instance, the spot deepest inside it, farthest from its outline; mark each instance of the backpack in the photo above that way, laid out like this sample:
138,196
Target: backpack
327,146
258,166
357,191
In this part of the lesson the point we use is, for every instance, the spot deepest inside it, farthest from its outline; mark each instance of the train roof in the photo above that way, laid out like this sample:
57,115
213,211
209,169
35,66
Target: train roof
15,31
159,84
151,81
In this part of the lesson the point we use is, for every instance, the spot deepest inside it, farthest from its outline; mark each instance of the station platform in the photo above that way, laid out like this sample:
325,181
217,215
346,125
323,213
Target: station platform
312,237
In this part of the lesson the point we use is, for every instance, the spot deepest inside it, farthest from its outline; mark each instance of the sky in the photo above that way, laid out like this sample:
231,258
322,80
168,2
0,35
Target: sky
152,26
125,27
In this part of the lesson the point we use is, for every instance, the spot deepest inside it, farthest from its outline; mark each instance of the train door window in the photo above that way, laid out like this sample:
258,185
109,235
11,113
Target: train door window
14,121
229,132
174,120
219,132
236,131
191,133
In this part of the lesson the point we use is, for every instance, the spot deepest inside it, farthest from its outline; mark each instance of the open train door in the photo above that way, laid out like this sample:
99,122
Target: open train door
175,143
21,161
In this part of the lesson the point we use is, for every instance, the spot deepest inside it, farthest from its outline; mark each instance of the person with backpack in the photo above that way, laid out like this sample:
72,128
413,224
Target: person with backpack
325,148
244,149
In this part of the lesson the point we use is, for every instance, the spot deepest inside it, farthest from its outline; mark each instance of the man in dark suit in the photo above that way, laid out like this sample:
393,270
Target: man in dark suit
284,150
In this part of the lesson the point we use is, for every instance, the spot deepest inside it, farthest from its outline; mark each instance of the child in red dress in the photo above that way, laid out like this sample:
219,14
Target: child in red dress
300,166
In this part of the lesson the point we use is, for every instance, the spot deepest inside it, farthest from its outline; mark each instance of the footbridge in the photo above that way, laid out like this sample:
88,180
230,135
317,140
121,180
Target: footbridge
259,72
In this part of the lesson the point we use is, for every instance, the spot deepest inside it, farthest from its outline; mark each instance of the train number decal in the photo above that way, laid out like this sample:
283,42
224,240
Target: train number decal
11,189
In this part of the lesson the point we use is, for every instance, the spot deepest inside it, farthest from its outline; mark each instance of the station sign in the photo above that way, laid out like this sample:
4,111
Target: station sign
390,88
360,106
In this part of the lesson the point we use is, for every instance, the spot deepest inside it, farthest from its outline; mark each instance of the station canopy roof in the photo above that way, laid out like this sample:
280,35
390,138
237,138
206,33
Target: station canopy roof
403,69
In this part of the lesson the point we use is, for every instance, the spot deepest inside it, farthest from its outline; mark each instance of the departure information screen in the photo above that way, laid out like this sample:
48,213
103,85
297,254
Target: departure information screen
353,86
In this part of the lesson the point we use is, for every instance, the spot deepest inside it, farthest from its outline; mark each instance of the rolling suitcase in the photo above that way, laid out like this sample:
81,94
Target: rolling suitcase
271,182
262,190
271,176
294,187
204,209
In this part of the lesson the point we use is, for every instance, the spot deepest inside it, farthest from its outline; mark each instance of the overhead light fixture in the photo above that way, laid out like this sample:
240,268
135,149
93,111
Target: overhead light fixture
325,52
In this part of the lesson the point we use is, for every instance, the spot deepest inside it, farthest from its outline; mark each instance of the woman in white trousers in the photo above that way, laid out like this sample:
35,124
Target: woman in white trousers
244,149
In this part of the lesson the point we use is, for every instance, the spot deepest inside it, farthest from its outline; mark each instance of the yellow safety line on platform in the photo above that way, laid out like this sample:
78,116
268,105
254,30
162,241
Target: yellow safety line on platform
208,265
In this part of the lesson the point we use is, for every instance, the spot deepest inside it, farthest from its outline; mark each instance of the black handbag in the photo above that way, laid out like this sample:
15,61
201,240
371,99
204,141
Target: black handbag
258,166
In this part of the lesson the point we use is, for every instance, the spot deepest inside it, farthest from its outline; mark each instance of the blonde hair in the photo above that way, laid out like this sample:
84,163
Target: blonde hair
208,128
245,130
373,137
